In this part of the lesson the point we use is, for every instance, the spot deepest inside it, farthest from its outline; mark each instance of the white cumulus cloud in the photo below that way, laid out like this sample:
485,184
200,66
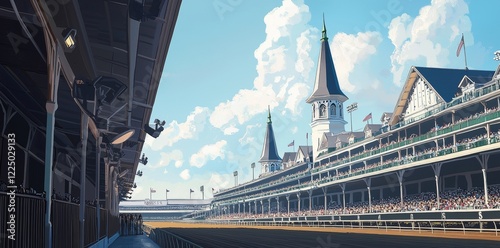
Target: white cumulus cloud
283,69
175,131
185,174
166,158
430,38
208,152
348,50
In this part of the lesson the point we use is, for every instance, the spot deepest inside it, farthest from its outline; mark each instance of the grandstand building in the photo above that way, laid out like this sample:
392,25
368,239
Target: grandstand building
162,210
436,151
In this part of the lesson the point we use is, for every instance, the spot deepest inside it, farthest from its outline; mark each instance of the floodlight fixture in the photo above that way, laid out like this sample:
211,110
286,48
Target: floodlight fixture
69,35
497,55
157,130
144,159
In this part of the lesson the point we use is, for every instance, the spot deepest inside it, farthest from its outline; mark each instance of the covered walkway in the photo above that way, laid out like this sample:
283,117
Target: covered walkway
133,242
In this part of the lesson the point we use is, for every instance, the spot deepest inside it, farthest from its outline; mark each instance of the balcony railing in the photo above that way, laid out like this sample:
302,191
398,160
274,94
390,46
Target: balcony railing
437,109
403,161
30,222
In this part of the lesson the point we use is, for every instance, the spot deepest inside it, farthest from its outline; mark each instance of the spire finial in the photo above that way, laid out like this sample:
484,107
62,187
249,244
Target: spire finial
269,114
323,32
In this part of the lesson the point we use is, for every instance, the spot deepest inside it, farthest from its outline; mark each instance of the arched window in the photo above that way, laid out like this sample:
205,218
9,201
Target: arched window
333,109
322,110
314,110
272,167
340,110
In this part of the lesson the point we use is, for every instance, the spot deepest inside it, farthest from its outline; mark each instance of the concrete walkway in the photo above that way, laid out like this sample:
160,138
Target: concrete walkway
133,242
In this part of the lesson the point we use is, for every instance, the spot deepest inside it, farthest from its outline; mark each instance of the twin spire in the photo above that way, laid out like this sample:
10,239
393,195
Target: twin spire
269,150
323,32
326,85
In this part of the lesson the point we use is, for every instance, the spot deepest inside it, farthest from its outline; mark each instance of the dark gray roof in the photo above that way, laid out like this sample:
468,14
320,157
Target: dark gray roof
357,134
269,151
445,81
373,127
289,156
326,83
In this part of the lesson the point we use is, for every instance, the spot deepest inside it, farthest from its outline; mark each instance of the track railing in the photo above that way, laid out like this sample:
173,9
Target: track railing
481,226
167,239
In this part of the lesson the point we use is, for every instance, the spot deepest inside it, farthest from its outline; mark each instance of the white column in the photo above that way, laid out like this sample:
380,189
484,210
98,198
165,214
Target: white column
368,182
298,202
437,170
324,199
483,161
400,174
342,186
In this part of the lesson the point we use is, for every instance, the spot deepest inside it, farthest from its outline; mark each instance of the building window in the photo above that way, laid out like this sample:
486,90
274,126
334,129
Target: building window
340,110
314,110
333,109
322,110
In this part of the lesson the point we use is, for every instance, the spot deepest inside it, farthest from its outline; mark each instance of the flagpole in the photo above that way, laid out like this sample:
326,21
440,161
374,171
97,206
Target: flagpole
465,53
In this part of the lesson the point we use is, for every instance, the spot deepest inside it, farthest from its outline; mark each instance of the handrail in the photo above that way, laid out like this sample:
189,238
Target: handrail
167,239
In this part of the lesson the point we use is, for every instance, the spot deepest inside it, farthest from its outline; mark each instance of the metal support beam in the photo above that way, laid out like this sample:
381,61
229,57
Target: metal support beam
83,172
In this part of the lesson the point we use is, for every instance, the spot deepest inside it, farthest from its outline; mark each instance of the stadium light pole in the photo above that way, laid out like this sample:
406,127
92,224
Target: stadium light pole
497,55
350,109
253,171
235,174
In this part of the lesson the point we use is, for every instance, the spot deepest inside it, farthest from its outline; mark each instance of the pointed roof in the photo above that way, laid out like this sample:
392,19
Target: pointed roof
442,81
445,81
289,156
269,151
326,84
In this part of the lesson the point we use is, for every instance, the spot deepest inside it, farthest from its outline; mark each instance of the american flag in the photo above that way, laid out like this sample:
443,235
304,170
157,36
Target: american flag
459,49
369,116
152,190
191,190
292,143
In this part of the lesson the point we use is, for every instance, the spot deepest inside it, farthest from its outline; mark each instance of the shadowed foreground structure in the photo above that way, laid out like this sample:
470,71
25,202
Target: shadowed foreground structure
229,236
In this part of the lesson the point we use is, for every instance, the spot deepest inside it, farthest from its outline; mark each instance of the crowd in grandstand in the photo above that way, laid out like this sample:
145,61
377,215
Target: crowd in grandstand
130,224
430,152
427,201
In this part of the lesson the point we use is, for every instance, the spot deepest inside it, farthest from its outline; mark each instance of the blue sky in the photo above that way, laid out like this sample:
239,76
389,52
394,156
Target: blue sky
230,59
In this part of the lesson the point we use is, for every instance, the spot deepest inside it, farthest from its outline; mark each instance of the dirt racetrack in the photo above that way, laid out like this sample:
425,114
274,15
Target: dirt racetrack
220,236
